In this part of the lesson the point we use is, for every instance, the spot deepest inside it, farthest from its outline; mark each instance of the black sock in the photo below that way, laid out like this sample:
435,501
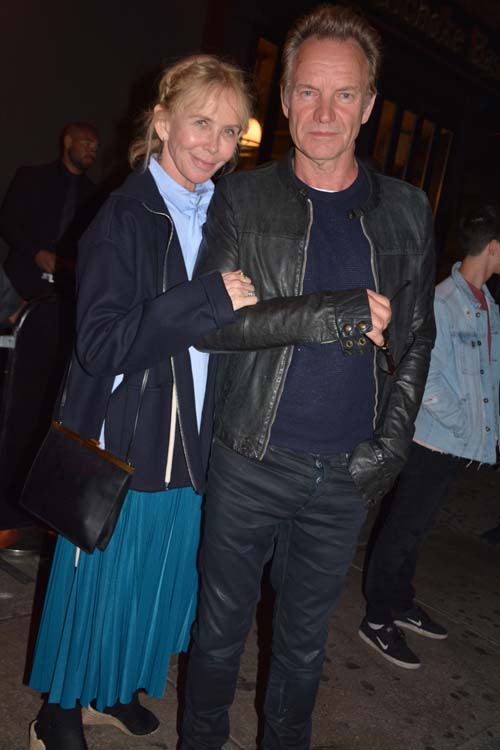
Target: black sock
52,713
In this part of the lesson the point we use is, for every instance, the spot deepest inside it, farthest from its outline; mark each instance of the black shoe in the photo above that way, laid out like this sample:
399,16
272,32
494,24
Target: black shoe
391,643
130,718
47,732
418,621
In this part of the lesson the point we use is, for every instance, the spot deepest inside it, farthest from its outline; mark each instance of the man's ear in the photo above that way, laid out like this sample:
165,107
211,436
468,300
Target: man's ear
67,141
493,247
284,104
368,108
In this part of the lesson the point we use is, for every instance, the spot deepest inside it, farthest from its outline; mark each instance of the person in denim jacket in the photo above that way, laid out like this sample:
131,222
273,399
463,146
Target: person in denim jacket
458,419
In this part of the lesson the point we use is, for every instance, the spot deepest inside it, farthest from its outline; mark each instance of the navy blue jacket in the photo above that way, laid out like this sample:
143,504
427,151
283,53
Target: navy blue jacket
136,309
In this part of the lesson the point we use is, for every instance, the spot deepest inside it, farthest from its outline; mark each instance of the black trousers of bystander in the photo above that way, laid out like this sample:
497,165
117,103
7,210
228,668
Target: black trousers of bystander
406,516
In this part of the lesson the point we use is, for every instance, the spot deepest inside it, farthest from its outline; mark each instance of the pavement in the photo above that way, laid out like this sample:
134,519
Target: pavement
364,702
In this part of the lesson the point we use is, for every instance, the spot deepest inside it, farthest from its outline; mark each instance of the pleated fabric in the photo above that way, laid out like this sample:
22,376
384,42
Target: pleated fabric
110,625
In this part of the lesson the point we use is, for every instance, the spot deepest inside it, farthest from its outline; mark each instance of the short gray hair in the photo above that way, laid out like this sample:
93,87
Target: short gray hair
337,22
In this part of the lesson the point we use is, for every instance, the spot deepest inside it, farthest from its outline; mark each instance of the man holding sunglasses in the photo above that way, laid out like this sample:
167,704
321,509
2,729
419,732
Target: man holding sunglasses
458,418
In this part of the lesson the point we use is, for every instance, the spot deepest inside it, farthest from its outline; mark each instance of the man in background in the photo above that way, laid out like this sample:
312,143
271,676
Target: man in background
458,418
45,210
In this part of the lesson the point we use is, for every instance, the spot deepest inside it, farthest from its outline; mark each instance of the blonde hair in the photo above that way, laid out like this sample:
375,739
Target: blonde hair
336,22
188,80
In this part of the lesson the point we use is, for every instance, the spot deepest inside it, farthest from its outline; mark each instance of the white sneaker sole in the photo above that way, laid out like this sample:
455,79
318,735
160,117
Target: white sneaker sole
415,629
392,659
35,743
91,717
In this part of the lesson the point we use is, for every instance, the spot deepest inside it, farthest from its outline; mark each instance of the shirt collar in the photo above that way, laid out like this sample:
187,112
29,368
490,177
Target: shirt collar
184,200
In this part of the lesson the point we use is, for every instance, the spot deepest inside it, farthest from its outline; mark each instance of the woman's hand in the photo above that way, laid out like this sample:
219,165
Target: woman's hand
240,289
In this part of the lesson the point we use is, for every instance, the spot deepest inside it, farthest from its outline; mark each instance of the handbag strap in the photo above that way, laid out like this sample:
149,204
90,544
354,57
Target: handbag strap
171,438
64,395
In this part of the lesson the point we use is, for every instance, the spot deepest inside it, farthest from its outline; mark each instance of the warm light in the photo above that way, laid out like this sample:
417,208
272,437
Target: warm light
253,136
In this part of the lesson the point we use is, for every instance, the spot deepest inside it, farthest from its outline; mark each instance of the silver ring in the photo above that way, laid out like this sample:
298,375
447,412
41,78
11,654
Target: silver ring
250,294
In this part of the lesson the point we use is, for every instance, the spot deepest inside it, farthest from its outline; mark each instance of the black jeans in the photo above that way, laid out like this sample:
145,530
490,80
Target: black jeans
306,509
406,516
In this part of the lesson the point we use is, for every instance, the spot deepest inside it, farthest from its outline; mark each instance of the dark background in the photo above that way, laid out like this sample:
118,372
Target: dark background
97,60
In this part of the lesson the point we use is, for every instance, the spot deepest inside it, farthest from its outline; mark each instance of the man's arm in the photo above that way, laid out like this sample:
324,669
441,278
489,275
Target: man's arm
440,399
15,214
376,463
323,317
10,301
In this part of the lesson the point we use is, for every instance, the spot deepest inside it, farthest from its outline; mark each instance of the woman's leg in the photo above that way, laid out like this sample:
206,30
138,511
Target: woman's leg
57,728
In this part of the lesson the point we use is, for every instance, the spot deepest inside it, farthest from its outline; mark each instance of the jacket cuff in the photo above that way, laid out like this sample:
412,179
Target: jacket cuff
219,298
371,470
354,323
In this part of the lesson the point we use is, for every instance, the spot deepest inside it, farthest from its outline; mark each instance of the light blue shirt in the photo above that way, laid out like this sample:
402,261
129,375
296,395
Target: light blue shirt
188,210
460,410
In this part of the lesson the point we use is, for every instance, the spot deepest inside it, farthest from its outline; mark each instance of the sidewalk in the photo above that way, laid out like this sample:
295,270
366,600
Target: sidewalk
364,703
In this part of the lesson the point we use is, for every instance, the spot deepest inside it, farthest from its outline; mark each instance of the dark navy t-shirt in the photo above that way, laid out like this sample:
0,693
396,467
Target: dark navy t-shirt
328,401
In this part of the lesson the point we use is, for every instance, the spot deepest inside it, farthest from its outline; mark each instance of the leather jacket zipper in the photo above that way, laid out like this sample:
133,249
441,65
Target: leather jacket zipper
289,355
164,289
375,279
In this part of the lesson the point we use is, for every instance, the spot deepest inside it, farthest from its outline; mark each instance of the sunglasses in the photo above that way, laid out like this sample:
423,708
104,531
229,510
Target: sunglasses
392,365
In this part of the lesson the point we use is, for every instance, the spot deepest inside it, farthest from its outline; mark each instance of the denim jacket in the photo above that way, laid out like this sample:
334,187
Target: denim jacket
460,411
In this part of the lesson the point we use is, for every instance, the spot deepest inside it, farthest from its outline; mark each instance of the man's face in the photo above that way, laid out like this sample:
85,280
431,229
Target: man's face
328,99
80,146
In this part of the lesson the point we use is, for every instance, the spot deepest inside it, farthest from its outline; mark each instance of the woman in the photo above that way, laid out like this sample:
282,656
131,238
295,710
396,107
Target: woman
112,619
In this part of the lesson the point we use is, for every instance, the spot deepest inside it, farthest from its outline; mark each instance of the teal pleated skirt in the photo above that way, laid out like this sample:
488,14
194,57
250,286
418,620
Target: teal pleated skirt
110,624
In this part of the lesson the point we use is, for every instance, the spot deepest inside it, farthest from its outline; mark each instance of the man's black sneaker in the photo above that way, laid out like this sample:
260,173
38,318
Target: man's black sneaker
391,643
418,621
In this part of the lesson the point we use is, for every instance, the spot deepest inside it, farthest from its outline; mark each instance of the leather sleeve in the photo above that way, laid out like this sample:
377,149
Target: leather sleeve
375,464
323,317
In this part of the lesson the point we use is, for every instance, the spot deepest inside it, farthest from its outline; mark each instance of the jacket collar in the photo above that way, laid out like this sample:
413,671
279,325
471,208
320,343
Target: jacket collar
287,176
140,186
465,288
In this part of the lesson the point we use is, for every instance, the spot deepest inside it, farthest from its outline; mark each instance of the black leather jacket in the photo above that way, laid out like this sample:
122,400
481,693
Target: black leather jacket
260,222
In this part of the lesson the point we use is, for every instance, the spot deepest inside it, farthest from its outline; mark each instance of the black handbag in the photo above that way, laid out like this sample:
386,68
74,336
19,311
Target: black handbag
77,488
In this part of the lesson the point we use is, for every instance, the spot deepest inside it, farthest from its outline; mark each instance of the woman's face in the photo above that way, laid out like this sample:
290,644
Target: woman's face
199,138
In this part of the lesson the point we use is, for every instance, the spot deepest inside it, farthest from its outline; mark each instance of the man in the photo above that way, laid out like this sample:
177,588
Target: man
306,436
459,418
45,211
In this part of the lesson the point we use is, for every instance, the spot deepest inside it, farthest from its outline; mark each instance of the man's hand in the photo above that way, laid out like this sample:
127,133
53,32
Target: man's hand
12,318
46,260
380,310
240,289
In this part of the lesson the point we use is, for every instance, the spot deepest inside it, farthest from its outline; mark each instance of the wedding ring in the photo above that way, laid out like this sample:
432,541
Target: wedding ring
250,294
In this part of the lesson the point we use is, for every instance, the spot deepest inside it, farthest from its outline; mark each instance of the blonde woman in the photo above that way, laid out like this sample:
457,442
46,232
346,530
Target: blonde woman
111,619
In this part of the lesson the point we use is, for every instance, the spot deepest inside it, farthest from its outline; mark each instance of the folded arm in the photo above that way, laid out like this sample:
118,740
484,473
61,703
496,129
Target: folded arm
323,317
